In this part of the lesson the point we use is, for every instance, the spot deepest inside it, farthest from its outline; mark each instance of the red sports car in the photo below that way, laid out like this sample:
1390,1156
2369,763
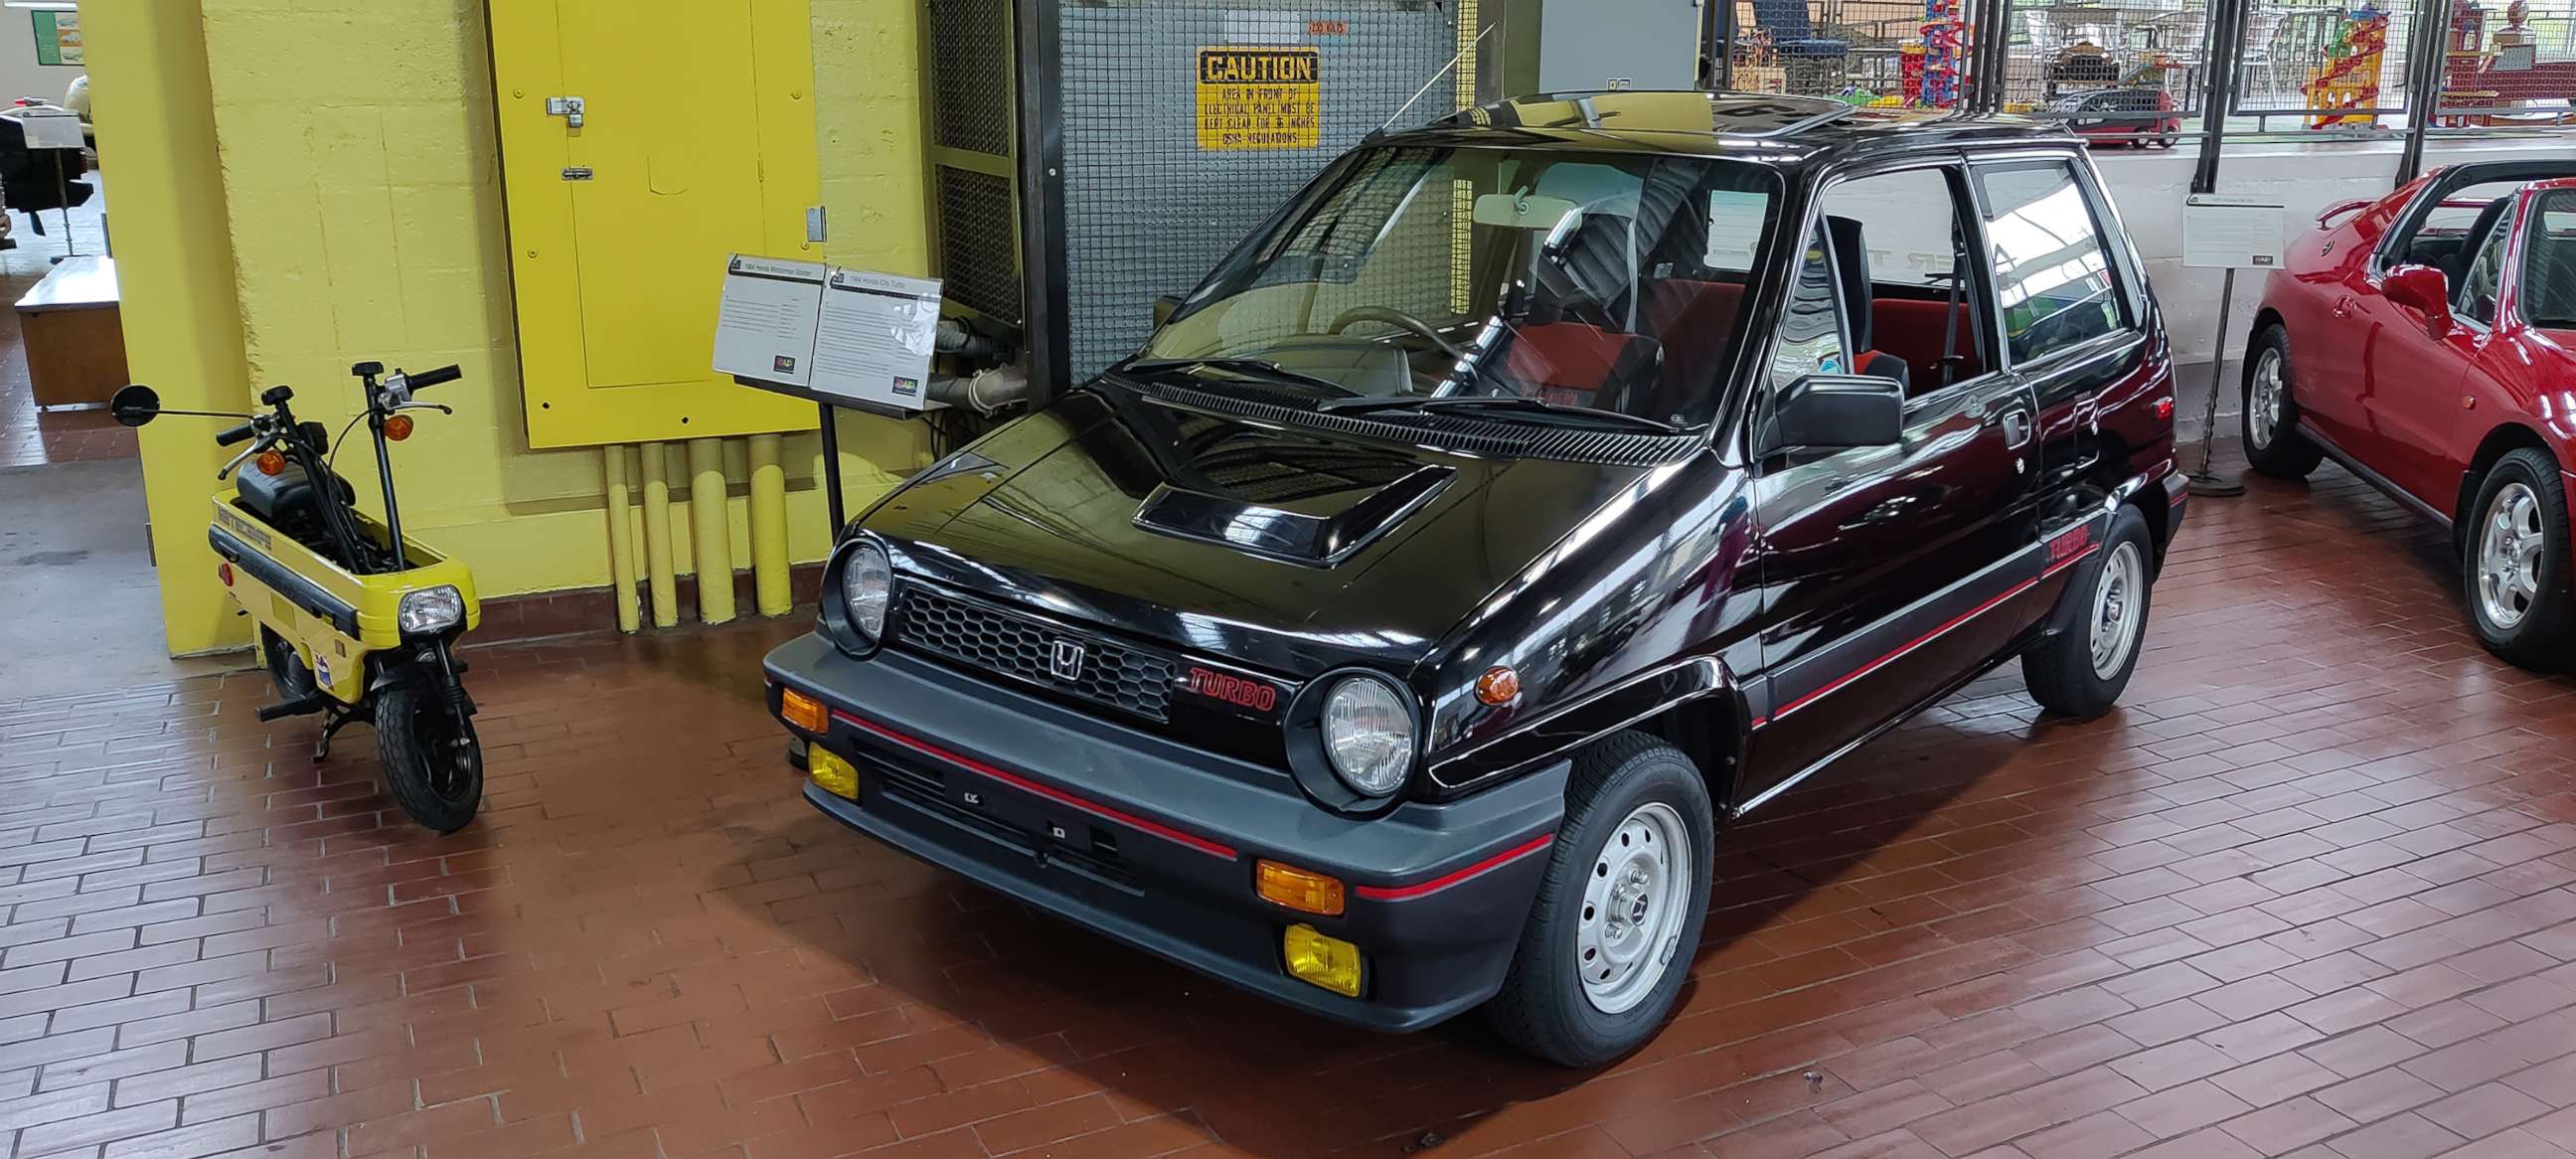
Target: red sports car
2427,342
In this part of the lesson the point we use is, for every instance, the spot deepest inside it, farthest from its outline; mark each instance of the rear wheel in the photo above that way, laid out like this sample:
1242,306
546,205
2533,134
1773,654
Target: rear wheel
287,672
433,763
1618,917
2269,421
2516,563
2082,665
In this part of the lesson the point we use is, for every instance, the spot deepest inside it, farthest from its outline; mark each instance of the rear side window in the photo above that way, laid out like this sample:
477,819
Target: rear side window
2053,280
2549,263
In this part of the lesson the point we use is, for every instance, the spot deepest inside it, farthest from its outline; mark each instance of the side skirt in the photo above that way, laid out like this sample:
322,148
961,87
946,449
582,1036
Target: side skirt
2374,478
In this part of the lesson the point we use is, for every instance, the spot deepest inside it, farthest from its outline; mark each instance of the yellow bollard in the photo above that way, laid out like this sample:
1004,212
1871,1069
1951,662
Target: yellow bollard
769,526
710,531
657,536
621,544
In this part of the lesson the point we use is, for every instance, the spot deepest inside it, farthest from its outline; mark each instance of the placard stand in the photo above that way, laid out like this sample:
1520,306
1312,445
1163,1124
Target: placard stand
828,409
2228,234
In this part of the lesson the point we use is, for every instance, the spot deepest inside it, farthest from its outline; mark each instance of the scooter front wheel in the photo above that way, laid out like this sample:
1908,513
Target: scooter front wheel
433,763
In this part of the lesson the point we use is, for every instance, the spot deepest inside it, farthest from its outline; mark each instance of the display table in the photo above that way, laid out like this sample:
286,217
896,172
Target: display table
73,334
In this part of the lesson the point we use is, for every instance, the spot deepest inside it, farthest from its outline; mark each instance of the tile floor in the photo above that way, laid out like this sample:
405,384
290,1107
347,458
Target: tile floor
30,437
2311,892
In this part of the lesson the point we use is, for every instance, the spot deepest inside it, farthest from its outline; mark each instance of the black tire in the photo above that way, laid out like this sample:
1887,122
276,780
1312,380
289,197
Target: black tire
2061,669
2279,450
1544,1007
2537,633
433,763
287,672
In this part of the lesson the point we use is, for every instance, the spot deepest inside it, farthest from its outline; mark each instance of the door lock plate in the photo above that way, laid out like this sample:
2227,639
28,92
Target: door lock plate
569,108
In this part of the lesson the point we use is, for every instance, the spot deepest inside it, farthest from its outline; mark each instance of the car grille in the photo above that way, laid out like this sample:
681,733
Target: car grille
986,640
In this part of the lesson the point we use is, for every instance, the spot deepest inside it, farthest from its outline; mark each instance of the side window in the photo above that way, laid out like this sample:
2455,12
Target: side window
2481,285
1902,235
2548,295
1811,330
2052,278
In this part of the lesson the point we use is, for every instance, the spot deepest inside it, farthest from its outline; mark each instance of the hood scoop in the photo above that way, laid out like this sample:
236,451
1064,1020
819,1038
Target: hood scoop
1313,531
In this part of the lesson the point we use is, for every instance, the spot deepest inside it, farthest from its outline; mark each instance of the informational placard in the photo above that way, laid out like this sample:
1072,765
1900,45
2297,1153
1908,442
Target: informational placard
51,128
874,341
2231,233
765,329
58,37
1260,98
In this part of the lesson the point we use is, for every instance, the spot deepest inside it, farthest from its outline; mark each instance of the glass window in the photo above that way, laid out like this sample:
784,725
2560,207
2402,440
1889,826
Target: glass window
2052,277
1811,330
1912,230
2548,294
2475,297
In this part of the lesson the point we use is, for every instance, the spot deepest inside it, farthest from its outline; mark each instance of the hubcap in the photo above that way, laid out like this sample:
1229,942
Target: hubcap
2263,407
2115,609
2509,548
1633,906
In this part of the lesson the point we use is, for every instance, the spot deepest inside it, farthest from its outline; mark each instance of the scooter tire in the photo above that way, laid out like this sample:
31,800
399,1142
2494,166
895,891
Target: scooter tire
433,763
286,670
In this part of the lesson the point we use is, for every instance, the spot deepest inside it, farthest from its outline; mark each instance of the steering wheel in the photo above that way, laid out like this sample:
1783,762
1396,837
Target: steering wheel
1397,318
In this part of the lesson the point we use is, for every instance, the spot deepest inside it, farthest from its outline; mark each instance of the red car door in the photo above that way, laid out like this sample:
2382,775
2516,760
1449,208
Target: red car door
2409,398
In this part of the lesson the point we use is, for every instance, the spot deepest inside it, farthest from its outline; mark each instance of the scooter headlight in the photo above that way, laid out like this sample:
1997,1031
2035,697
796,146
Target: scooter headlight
867,586
430,610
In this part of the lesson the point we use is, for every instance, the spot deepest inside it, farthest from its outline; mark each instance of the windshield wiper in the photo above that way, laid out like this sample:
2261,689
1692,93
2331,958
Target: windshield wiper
1253,367
1499,402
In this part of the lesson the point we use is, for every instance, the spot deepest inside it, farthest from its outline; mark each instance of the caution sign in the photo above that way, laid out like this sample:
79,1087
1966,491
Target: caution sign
1260,98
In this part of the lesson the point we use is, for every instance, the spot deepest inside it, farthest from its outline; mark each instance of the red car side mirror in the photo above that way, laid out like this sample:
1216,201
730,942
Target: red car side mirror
2422,289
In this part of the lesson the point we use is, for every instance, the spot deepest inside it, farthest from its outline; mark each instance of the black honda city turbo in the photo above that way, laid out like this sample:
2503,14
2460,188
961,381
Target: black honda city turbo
1536,492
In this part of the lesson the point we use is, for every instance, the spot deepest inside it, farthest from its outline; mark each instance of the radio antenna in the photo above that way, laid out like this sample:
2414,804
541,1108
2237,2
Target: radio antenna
1454,61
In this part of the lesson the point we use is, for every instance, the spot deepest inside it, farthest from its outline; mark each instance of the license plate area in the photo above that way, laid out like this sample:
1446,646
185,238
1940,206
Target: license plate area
1049,833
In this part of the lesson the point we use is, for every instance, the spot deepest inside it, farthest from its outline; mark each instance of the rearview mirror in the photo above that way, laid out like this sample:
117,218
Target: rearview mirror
2422,289
135,405
1840,410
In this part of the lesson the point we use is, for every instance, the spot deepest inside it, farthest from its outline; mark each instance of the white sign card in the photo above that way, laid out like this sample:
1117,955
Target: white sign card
52,128
766,328
874,341
1734,224
2231,233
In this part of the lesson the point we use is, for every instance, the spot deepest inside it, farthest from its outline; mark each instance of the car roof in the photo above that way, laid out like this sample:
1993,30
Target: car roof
1771,128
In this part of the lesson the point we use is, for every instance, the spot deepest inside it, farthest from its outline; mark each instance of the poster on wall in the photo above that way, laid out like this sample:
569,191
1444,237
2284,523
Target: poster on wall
58,38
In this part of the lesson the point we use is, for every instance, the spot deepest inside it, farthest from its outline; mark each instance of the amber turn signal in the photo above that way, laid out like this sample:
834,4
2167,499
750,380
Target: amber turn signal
1303,890
271,462
804,712
398,427
1498,686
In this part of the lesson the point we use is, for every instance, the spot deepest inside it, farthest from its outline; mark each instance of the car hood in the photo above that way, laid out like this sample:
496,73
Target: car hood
1269,544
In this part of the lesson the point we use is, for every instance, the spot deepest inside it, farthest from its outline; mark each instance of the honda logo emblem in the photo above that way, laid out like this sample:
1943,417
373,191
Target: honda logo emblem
1066,661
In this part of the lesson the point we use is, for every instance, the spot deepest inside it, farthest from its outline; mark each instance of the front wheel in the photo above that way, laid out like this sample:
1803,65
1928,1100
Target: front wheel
1618,917
2516,563
2273,443
2082,665
433,763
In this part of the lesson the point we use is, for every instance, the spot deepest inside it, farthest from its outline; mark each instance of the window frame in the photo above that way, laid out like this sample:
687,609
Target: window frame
2527,224
2507,224
2128,293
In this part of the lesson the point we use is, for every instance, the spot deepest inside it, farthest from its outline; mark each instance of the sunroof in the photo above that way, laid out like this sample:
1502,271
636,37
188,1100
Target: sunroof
1735,114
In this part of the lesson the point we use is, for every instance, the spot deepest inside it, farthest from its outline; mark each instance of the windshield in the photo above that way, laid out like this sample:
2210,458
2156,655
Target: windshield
2549,270
1603,281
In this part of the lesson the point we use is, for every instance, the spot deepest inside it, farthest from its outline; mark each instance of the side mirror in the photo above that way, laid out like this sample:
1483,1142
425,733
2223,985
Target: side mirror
135,405
1841,410
2422,289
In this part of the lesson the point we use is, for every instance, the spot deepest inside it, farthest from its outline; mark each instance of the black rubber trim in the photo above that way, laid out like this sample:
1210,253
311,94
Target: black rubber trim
301,592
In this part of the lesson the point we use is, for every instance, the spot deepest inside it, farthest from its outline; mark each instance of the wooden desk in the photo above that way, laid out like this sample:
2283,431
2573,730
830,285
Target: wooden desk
74,336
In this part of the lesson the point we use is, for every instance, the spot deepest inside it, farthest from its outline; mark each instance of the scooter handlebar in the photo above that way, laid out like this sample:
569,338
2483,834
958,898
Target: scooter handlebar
235,434
438,377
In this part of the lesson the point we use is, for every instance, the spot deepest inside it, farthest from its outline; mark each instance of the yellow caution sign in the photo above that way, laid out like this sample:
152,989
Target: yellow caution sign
1260,98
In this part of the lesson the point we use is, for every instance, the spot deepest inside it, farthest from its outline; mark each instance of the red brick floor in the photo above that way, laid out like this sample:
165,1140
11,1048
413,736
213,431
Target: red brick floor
2308,892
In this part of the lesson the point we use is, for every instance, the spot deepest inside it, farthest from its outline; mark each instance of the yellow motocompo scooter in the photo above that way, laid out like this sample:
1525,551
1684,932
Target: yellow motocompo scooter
356,622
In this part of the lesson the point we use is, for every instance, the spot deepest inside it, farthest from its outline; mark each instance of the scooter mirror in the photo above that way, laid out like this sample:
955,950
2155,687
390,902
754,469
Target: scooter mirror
135,405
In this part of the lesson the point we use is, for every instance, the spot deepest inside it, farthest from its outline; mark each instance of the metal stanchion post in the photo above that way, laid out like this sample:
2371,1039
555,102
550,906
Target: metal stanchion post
2206,480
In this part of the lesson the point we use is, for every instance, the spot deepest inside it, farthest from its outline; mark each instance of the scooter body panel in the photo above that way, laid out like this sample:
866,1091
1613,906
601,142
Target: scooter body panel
334,618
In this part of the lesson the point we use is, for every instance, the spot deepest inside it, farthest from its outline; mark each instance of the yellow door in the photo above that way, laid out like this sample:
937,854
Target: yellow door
696,141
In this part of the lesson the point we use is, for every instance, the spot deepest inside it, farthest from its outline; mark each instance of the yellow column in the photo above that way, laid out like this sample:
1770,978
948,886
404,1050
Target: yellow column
621,542
709,530
769,525
657,536
182,318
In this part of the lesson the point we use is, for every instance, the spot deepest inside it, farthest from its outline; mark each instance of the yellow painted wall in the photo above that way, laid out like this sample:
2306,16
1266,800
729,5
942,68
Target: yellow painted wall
360,195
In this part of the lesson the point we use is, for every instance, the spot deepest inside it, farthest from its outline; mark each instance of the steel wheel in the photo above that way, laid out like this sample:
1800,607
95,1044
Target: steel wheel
2509,546
2115,617
1633,907
2263,403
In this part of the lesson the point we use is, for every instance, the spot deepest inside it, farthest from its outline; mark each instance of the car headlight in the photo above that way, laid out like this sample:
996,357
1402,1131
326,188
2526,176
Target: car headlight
867,586
1368,735
429,610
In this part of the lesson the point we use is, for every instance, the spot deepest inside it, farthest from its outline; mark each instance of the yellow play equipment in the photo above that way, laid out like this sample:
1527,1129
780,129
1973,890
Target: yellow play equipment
2341,89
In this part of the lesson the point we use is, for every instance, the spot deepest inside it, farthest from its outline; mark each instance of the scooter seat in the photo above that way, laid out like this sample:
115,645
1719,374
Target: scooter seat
279,498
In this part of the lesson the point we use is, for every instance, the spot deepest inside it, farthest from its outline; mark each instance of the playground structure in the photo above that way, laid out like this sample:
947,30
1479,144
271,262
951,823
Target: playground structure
2502,81
2344,89
1929,73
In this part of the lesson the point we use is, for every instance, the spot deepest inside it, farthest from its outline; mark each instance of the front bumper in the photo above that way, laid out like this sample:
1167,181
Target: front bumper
1153,843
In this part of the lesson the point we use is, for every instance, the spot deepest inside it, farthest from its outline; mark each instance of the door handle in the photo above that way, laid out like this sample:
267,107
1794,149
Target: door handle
2016,426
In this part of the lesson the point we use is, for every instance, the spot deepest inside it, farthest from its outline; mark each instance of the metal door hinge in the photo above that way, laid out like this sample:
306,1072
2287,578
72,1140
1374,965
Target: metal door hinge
578,173
569,108
816,228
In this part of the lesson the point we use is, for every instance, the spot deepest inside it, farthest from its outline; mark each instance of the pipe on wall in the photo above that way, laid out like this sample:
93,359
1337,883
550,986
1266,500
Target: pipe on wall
710,530
621,536
768,512
657,536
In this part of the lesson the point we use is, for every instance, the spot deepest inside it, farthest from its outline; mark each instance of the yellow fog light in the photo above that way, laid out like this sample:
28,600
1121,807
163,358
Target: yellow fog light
1303,890
836,776
804,712
1327,962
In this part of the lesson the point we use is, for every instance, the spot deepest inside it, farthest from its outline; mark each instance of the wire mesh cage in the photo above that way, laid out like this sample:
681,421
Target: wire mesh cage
2325,65
2508,68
